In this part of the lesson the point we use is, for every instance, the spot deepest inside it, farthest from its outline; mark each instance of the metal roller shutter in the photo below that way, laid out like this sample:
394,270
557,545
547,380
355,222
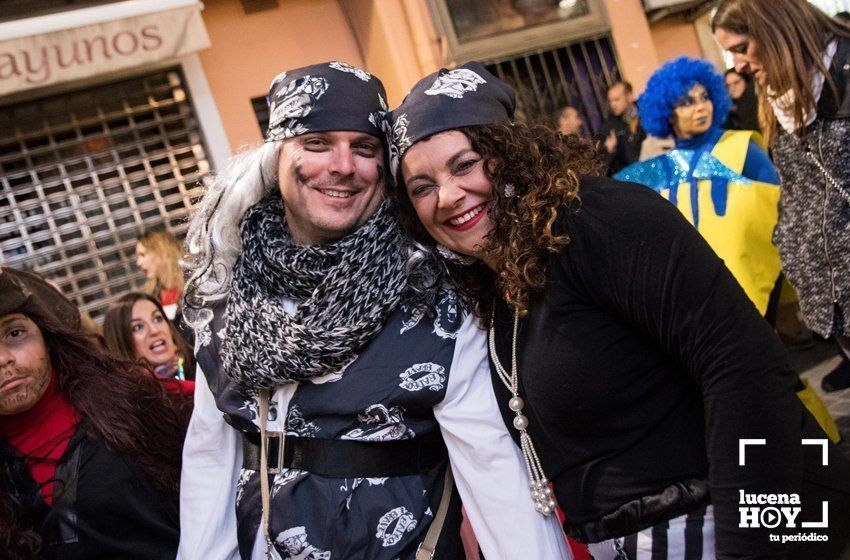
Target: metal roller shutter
577,74
84,172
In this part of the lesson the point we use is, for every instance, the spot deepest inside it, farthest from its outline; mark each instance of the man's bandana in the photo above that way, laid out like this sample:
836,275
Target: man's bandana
327,97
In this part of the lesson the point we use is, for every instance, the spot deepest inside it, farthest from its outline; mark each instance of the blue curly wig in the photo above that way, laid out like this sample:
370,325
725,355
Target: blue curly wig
671,82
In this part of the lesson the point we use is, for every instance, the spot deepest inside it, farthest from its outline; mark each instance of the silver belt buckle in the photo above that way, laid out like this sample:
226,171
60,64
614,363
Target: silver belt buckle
418,548
274,452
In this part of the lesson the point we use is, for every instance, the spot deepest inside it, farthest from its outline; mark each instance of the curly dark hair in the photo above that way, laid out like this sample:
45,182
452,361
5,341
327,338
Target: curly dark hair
544,168
120,406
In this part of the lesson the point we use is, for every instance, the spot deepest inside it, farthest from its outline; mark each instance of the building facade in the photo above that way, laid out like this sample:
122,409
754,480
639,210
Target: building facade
111,113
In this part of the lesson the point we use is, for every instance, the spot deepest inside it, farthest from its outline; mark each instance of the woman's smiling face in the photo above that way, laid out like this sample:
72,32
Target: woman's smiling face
448,185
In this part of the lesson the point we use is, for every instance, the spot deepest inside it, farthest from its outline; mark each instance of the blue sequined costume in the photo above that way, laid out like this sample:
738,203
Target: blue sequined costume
727,187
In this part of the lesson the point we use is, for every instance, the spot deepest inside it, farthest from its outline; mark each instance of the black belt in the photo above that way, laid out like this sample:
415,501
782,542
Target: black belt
336,458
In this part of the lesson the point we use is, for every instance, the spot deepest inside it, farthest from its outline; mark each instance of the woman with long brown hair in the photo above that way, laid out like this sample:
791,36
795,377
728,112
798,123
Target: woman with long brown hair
628,362
137,329
158,254
90,450
800,60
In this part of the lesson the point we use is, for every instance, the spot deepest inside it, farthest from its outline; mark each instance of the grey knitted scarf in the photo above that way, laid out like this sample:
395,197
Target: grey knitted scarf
346,290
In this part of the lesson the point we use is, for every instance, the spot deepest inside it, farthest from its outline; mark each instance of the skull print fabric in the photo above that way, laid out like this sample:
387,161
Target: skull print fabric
387,393
309,100
468,95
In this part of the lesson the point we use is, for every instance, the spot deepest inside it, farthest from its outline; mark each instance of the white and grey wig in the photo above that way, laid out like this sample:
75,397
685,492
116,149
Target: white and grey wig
213,239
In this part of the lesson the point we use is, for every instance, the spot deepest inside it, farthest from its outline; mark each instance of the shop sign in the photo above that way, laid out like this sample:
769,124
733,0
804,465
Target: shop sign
82,52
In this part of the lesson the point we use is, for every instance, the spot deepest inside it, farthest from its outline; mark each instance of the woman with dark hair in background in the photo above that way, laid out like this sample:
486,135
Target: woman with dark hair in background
90,450
628,363
744,113
137,329
158,255
800,60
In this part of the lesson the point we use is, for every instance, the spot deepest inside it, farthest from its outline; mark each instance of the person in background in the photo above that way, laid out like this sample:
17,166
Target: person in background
89,449
137,329
627,361
744,113
721,180
158,255
800,60
621,135
570,121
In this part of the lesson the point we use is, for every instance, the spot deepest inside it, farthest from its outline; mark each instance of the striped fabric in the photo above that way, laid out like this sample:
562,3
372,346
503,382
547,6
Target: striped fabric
687,537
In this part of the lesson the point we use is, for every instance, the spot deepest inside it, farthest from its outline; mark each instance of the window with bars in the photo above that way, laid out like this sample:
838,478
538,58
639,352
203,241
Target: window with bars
82,174
501,28
547,80
261,111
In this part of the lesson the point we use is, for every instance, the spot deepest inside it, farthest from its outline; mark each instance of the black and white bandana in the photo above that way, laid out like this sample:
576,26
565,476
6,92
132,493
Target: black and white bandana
447,99
326,97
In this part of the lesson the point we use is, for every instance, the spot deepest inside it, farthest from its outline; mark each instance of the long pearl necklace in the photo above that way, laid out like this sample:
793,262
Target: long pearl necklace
540,491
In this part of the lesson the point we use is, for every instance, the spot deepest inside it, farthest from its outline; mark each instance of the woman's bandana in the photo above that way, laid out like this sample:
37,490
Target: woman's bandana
448,99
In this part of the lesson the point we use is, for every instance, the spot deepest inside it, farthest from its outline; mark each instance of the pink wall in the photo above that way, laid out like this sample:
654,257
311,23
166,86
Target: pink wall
675,37
633,41
387,37
391,38
248,51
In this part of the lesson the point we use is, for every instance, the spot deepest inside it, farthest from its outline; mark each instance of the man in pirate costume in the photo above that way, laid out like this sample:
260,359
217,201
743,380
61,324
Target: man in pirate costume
322,364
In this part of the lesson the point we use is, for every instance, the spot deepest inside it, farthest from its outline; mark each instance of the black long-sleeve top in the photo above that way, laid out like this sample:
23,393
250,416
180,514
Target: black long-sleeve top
643,363
627,150
104,506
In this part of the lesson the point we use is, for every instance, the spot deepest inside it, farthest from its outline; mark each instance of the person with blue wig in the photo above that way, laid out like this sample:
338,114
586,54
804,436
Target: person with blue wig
722,180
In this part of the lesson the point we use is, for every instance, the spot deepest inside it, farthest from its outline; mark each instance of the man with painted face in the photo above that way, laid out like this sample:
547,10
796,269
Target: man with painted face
336,375
89,448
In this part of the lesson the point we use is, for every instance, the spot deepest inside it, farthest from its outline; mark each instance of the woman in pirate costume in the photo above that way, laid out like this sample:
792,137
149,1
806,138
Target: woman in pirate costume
322,365
89,447
627,360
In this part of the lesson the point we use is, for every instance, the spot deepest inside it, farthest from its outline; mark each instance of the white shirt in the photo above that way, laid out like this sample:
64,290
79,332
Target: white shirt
782,105
488,467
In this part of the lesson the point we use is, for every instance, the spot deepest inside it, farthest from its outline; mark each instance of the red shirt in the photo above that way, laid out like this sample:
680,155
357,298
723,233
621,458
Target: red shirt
42,434
169,297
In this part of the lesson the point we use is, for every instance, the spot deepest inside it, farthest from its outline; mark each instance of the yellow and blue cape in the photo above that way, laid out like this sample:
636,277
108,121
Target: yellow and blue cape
726,186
